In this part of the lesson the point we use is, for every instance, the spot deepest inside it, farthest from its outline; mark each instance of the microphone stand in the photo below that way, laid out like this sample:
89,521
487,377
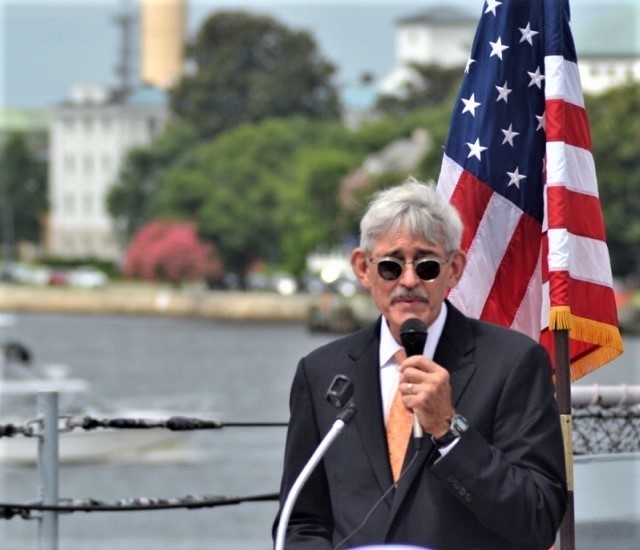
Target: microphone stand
341,421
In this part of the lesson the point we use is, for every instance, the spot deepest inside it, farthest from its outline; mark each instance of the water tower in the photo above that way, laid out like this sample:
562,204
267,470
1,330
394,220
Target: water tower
162,41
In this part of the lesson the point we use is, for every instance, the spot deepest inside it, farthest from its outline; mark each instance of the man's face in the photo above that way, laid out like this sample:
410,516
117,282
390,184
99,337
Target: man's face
407,296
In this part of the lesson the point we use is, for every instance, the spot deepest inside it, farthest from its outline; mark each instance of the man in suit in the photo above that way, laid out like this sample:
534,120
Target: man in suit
489,472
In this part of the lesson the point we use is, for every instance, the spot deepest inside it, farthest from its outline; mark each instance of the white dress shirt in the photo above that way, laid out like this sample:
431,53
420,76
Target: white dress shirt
389,366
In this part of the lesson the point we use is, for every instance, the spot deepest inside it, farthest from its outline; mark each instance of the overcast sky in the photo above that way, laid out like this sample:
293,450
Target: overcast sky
42,55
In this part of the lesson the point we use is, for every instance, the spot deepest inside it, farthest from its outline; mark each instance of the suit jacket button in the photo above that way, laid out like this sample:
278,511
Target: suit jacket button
468,497
456,484
462,491
451,478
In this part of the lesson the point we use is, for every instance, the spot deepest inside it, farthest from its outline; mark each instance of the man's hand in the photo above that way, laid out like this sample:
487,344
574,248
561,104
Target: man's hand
426,391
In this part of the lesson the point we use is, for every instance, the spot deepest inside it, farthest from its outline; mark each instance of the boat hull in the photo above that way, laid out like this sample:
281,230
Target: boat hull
92,446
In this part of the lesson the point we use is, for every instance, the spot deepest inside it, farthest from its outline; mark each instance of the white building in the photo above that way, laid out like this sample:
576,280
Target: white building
600,72
439,36
607,41
89,137
609,48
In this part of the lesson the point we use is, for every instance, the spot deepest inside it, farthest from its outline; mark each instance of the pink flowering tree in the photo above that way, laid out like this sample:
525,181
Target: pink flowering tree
169,251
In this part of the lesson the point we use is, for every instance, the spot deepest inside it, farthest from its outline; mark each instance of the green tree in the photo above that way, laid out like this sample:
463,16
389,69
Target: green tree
130,200
263,192
615,128
23,194
312,215
247,68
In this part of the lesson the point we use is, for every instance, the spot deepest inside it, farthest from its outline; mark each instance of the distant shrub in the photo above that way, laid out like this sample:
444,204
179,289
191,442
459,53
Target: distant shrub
169,251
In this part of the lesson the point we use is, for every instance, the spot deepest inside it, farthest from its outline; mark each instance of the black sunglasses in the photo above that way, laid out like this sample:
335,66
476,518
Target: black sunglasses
391,269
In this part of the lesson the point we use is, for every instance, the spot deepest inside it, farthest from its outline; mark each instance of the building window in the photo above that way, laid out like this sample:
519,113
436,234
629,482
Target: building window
87,125
629,75
87,164
69,164
67,243
87,204
68,124
107,165
413,37
69,204
152,126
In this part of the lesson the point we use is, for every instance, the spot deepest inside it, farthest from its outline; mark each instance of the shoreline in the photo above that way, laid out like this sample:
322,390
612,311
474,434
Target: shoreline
322,313
146,299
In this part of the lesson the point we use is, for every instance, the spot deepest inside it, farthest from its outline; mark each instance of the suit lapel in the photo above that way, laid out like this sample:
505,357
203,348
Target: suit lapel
369,420
453,353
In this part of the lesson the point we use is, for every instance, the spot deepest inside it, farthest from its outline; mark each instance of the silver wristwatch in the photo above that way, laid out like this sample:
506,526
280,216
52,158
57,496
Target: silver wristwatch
457,427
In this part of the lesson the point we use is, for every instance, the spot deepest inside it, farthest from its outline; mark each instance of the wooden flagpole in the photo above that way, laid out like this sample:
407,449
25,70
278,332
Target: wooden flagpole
563,397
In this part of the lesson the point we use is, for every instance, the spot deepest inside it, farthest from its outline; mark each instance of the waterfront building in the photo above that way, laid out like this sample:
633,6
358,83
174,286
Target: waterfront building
92,132
609,48
439,36
90,135
607,41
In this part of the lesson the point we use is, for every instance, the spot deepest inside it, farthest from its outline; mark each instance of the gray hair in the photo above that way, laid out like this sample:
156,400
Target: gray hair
413,206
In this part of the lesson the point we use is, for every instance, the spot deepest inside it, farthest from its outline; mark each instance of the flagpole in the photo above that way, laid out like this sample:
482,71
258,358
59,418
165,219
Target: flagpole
563,397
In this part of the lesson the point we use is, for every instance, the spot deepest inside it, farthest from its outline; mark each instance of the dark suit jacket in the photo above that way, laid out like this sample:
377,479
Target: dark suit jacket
503,486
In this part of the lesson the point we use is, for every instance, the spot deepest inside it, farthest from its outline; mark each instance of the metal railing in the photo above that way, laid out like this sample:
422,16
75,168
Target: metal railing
606,421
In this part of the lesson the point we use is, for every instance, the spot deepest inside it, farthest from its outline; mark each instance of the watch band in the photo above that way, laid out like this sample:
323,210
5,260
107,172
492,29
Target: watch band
457,427
446,439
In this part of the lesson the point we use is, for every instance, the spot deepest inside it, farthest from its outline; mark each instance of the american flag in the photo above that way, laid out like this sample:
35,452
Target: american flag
518,166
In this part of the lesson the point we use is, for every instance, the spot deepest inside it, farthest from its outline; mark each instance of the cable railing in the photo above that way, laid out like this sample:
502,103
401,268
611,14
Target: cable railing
606,421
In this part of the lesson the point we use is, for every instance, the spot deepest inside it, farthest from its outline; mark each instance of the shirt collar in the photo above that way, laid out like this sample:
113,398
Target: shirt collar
388,345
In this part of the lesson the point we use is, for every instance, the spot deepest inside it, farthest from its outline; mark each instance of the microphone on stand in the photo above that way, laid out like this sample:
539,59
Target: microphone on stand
340,395
413,335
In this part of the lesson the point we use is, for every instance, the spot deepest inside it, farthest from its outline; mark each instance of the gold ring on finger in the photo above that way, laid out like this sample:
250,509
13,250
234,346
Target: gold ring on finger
410,387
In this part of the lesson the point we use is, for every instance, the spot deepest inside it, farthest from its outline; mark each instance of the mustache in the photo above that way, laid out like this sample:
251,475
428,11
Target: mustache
403,294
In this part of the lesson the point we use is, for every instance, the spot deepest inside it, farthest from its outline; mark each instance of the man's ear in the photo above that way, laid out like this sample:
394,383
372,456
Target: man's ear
360,267
458,263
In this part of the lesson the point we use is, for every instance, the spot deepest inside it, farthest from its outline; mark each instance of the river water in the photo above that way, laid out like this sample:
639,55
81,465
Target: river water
234,372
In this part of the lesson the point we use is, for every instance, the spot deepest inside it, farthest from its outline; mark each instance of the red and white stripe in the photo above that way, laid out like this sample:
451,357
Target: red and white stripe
516,280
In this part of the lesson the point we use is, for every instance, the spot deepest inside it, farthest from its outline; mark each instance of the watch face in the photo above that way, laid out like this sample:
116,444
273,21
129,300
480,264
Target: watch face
459,424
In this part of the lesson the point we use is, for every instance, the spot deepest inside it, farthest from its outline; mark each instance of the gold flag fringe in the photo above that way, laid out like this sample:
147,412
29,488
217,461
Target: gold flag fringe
606,337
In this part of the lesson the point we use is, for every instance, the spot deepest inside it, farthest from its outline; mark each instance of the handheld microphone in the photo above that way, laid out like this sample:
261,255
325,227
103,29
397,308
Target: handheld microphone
413,335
